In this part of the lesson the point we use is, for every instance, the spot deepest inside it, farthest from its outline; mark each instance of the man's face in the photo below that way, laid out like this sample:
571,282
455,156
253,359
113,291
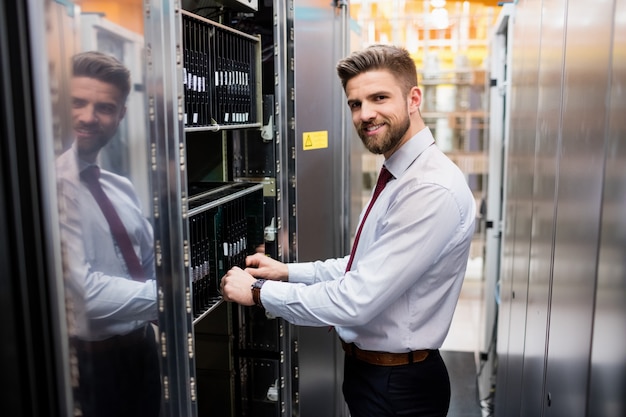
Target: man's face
380,111
97,109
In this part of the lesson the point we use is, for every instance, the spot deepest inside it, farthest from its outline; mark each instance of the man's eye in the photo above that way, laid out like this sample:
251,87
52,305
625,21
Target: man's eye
106,109
355,105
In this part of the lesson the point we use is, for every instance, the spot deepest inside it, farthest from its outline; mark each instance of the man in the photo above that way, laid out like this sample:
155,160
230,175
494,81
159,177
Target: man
392,301
109,262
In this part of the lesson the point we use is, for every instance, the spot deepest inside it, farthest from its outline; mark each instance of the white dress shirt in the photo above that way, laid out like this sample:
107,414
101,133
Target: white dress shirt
409,266
106,300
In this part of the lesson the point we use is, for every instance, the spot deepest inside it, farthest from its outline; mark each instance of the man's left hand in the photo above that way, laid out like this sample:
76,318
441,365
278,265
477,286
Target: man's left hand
237,286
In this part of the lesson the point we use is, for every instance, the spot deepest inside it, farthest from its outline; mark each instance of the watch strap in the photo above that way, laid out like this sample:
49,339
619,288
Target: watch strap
256,292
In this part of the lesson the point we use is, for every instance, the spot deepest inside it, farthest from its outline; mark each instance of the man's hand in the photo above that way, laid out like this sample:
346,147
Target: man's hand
237,283
237,286
261,266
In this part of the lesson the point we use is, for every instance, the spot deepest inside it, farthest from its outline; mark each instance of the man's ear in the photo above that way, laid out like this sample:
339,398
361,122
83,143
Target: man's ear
122,112
414,99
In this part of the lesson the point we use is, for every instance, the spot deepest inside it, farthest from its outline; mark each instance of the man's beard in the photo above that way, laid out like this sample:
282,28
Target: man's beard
378,144
90,139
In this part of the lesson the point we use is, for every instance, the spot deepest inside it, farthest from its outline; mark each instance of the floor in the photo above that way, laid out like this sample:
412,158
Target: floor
463,342
462,370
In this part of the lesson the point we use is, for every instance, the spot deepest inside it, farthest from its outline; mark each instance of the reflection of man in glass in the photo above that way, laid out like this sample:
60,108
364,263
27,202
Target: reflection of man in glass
114,267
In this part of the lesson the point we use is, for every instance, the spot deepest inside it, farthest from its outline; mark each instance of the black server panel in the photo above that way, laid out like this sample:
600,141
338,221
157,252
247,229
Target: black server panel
225,225
219,73
216,374
229,135
262,394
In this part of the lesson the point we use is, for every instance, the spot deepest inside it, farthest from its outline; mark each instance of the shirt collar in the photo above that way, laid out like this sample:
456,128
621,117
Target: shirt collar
409,152
82,164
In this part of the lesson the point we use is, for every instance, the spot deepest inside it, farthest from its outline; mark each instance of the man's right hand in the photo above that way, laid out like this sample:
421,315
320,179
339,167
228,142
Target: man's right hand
262,266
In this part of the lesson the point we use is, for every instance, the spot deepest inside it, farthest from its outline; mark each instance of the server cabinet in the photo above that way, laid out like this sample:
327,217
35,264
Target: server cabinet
517,206
267,369
325,146
223,173
44,36
305,108
579,195
149,150
560,344
208,140
547,142
607,359
499,120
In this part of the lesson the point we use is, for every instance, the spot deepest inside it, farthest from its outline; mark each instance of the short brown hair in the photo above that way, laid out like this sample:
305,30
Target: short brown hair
102,67
394,59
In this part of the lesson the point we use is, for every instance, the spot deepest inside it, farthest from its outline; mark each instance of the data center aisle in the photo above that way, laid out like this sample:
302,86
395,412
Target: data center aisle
460,347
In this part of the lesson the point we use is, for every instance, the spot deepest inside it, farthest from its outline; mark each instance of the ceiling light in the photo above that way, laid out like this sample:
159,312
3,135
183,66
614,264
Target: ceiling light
439,18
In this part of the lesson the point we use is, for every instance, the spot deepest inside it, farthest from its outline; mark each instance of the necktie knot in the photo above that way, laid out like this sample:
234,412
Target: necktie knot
383,177
90,174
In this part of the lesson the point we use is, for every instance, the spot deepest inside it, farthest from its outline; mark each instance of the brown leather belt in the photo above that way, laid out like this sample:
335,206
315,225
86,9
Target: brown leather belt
384,358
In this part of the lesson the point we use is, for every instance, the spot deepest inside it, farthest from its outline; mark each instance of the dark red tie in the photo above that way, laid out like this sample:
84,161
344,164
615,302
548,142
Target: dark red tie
91,176
383,179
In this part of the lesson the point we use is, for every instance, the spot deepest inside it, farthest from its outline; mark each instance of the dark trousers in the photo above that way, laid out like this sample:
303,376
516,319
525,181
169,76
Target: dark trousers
420,389
120,376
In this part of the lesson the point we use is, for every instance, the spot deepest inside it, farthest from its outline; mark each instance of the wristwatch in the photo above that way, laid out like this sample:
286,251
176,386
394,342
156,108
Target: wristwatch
256,292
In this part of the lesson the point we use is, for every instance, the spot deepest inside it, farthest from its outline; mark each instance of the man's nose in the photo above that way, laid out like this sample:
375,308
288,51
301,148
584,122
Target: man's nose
88,115
368,112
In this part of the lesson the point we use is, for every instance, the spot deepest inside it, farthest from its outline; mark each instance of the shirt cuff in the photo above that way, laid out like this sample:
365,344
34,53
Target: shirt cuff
273,296
303,273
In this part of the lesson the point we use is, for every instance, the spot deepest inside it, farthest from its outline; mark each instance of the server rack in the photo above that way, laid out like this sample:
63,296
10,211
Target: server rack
266,365
206,173
562,289
238,361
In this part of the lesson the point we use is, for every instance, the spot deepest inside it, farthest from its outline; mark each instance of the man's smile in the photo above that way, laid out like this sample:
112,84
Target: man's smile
371,129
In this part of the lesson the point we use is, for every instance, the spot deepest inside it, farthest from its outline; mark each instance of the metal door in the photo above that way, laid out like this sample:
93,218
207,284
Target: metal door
323,141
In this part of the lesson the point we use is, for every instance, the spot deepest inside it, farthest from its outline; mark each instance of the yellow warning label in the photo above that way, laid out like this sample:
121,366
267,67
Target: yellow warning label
315,140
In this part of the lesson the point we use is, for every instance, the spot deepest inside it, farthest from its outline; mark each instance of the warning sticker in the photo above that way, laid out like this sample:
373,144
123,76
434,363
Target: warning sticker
314,140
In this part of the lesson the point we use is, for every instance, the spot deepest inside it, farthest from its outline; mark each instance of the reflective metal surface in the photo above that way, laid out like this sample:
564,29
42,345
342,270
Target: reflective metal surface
579,202
168,169
321,179
499,123
547,143
518,185
608,354
561,342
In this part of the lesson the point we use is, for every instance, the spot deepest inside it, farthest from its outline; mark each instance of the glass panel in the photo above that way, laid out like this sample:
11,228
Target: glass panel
96,51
